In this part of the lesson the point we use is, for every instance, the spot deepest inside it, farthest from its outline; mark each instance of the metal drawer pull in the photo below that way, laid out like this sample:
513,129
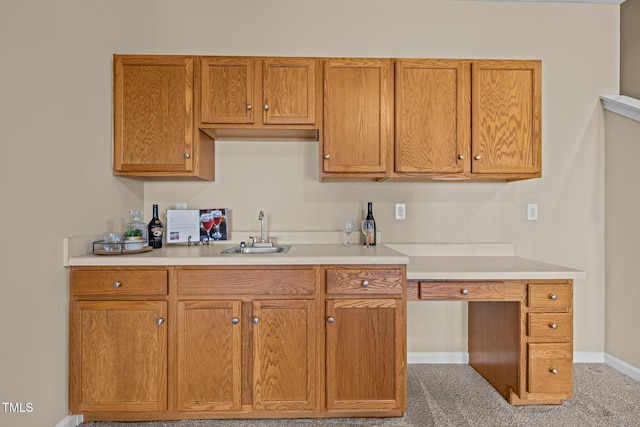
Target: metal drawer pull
553,325
235,320
365,283
160,321
465,292
256,320
553,297
554,371
330,320
117,284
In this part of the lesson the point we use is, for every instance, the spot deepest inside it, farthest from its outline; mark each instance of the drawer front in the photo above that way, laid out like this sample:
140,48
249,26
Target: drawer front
550,295
365,282
119,282
462,290
551,325
550,368
294,282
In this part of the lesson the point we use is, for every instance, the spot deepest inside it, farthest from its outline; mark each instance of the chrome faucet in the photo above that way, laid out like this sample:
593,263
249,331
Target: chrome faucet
262,242
261,219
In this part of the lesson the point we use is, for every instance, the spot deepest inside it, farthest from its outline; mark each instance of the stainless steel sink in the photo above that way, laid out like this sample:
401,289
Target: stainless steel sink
257,250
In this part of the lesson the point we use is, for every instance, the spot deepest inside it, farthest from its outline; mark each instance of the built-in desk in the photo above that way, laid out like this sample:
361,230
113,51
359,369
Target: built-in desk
520,314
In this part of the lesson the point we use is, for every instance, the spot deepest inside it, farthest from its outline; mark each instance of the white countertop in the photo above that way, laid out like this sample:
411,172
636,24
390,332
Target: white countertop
485,267
424,261
211,255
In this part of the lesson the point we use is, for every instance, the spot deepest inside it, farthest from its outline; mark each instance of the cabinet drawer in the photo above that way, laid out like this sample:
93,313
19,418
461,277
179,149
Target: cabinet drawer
550,295
119,282
462,290
285,281
364,282
551,325
550,368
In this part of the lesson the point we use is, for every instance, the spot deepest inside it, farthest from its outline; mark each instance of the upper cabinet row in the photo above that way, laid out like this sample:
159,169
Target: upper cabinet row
375,119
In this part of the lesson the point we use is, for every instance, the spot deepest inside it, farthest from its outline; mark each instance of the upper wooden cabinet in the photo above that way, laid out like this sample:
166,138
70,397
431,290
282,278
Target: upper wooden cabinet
432,117
273,97
506,129
357,119
467,119
375,118
155,132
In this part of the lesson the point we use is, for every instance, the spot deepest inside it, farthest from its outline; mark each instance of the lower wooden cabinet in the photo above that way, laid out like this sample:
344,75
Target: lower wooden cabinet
118,358
365,338
209,357
210,365
365,354
178,342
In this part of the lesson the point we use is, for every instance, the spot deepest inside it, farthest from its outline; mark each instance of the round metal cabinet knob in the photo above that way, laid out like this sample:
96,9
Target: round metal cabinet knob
235,320
465,292
553,325
554,371
461,156
478,157
160,321
256,320
365,283
249,106
117,284
330,320
553,297
266,106
327,156
187,155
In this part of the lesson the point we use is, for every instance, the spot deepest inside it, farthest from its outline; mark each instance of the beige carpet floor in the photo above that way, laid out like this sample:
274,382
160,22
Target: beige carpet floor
455,395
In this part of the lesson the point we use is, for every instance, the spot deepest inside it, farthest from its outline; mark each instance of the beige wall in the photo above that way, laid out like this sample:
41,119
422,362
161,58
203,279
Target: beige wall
630,48
622,235
55,170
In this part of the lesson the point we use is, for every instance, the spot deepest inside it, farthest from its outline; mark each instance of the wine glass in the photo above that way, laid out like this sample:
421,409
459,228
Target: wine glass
206,219
217,220
348,227
367,230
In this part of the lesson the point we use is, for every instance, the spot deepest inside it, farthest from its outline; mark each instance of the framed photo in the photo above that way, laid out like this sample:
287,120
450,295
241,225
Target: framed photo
214,224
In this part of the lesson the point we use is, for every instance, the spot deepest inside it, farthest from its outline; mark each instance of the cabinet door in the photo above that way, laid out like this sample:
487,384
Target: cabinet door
289,86
226,90
153,114
365,354
506,110
357,116
209,355
433,113
118,356
284,355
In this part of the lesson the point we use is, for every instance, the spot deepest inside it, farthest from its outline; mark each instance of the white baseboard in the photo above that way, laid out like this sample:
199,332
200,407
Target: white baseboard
622,366
70,421
461,358
588,357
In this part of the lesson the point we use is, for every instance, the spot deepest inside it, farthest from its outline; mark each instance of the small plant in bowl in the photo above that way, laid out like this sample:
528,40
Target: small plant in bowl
133,239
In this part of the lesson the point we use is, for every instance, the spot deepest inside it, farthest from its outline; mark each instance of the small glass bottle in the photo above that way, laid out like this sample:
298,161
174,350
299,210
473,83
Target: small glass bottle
156,230
136,222
371,236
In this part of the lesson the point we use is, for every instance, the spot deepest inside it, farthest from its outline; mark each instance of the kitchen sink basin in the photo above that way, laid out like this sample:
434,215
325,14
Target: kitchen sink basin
257,250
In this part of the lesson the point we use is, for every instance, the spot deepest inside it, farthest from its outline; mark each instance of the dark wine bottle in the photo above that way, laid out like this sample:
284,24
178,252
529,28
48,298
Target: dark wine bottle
156,230
371,236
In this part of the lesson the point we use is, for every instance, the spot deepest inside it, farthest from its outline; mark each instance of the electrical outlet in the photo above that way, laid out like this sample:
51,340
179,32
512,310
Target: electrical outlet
532,212
401,212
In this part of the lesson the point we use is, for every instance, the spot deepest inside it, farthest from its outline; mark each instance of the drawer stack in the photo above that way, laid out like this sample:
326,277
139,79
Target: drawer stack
549,339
